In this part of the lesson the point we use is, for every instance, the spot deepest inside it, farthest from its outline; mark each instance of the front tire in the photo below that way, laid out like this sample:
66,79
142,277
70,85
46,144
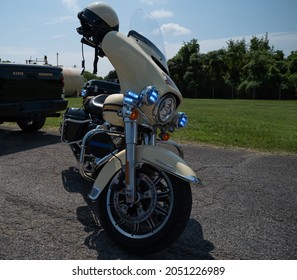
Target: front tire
158,217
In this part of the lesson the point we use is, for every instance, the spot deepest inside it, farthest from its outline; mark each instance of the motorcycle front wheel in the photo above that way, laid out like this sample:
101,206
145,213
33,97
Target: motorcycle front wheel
156,220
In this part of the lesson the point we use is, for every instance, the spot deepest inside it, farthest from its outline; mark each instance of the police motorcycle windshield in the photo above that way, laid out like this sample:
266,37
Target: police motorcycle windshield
146,30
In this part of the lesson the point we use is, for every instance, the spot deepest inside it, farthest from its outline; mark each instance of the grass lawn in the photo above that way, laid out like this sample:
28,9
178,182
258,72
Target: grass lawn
256,124
263,125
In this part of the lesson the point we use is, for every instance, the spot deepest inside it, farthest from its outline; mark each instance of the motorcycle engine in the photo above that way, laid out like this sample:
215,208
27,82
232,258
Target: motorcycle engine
100,145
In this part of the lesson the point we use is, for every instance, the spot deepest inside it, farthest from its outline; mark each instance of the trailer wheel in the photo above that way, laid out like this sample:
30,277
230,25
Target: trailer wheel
32,125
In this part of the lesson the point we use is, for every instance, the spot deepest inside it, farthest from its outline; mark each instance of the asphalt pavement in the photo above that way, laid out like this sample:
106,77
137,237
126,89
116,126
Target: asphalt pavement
247,208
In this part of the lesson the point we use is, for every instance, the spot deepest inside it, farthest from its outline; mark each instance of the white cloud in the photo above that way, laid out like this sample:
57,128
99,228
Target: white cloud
174,29
162,14
71,5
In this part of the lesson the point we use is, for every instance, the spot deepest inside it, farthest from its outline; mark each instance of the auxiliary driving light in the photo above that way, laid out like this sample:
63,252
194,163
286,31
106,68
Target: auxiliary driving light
180,120
83,93
131,98
150,95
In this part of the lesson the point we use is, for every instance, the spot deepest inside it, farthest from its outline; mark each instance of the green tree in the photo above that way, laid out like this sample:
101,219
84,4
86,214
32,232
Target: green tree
255,77
111,76
292,65
235,60
90,76
215,66
253,70
290,84
185,68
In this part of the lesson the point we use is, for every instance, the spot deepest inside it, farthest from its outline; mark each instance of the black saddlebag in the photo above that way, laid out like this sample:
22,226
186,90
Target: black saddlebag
76,123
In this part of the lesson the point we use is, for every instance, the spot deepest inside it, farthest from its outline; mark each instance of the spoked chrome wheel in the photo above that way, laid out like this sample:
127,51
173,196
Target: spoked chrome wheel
151,211
158,216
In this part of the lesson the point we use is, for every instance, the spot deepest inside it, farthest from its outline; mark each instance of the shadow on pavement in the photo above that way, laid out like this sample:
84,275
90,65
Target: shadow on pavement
14,141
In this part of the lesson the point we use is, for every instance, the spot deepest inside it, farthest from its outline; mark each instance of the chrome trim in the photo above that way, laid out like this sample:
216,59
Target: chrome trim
101,161
193,180
159,104
94,193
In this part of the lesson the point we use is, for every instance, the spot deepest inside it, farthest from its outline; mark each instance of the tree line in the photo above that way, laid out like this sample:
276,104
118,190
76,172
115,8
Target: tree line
251,70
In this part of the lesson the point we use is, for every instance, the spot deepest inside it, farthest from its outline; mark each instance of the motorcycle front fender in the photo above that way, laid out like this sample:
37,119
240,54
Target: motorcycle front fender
156,156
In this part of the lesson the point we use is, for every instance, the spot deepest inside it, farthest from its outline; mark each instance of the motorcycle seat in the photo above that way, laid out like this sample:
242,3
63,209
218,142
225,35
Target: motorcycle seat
94,104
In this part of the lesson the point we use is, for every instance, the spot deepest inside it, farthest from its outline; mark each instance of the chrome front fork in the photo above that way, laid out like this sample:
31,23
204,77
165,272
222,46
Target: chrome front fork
130,175
131,103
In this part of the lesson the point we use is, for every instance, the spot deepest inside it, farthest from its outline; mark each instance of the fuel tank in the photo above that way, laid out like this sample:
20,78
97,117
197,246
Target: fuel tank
112,109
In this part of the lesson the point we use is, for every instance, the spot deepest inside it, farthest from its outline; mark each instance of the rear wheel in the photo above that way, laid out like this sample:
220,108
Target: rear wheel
158,217
32,125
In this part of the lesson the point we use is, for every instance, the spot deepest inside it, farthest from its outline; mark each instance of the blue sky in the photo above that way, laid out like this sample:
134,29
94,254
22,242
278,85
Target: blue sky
34,28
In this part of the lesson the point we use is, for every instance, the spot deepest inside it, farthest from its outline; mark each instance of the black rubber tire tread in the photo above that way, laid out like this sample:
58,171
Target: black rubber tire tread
166,236
31,126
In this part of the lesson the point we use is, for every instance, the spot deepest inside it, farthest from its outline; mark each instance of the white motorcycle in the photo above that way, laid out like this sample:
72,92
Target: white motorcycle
142,189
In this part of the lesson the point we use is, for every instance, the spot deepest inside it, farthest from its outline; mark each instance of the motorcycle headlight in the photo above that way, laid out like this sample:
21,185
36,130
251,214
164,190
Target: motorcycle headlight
165,109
